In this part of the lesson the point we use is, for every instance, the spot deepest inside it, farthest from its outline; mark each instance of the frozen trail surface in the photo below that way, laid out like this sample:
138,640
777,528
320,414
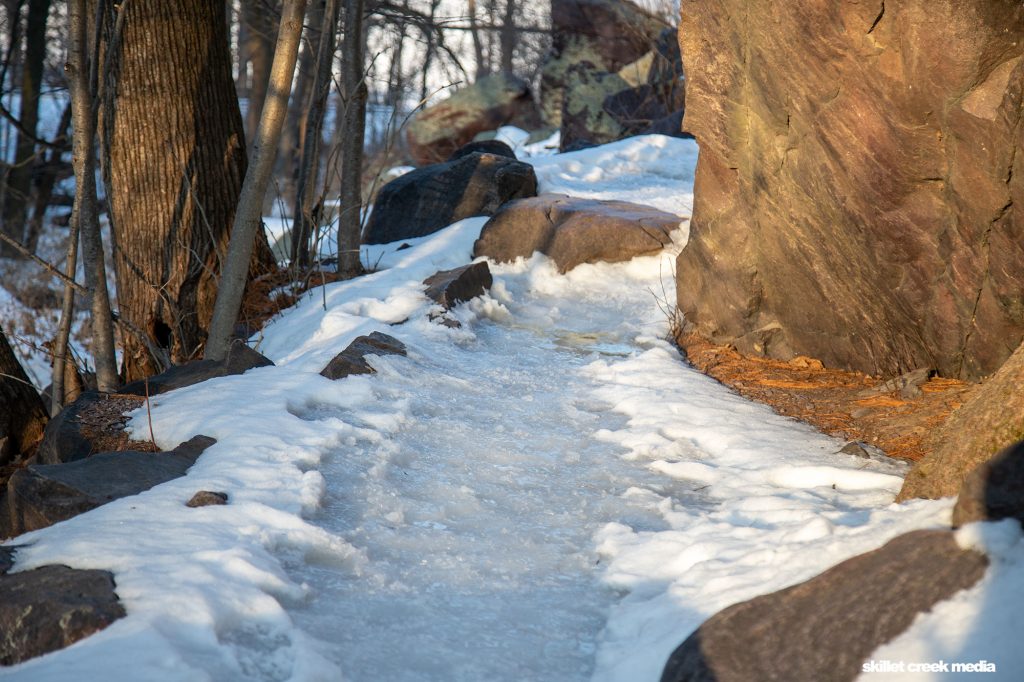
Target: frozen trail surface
477,509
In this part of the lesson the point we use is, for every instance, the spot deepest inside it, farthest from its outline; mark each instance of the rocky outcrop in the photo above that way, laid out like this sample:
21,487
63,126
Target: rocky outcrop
859,191
825,628
428,199
994,490
991,419
502,99
52,607
609,34
352,360
451,287
44,494
240,359
573,231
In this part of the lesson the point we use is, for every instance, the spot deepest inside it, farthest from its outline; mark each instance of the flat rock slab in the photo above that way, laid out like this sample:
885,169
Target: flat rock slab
352,360
52,607
825,628
428,199
451,287
574,231
993,490
240,359
44,494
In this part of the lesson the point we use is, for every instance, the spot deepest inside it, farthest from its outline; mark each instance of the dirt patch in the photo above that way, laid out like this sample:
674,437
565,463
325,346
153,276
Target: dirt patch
831,399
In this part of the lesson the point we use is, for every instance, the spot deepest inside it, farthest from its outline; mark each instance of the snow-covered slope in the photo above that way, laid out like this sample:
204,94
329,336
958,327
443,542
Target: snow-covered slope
546,493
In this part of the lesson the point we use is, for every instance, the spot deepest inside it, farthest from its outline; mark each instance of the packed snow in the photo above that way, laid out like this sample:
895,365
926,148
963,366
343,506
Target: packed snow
548,492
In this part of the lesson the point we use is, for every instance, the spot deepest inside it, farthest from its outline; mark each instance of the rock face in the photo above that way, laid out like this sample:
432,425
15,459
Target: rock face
451,287
428,199
496,147
52,607
609,34
44,494
491,102
994,490
573,231
240,359
352,360
858,195
991,419
825,628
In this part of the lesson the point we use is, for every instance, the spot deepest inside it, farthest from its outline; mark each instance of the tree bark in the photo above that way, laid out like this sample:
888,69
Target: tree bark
354,82
19,179
305,222
508,36
174,159
247,220
22,413
257,53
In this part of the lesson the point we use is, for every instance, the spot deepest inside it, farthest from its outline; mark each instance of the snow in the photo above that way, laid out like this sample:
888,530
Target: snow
547,492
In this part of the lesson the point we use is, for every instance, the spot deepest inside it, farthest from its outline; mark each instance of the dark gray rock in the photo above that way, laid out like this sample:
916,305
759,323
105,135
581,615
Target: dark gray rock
496,147
993,490
428,199
63,440
6,559
574,231
44,494
352,360
826,627
240,359
207,498
52,607
450,287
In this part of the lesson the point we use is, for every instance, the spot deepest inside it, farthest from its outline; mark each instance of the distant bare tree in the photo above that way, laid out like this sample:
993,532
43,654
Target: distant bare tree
354,122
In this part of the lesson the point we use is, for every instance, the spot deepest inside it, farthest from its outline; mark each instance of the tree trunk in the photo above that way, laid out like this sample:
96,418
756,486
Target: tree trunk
508,36
257,54
354,82
22,413
483,68
174,159
19,179
305,222
247,220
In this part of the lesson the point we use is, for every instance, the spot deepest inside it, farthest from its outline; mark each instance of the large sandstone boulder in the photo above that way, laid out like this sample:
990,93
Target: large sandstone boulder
502,99
607,33
44,494
994,490
573,231
825,628
52,607
428,199
991,419
859,194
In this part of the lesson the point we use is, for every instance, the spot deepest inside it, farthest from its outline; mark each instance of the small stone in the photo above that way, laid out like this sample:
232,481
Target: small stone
856,449
451,287
352,360
207,498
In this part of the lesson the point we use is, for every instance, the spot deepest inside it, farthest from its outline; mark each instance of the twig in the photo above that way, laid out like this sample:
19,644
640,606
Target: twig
149,415
23,250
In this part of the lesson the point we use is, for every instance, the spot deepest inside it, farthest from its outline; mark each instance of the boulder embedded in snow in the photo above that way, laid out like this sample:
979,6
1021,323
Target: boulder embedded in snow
607,33
93,423
207,498
450,287
44,494
861,192
496,147
352,360
428,199
52,607
825,628
502,99
573,231
240,359
994,490
992,418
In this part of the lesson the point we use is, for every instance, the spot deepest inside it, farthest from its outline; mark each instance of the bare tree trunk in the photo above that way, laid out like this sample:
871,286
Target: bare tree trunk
19,179
258,53
304,219
354,82
22,413
174,159
508,36
85,212
247,218
483,68
47,181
